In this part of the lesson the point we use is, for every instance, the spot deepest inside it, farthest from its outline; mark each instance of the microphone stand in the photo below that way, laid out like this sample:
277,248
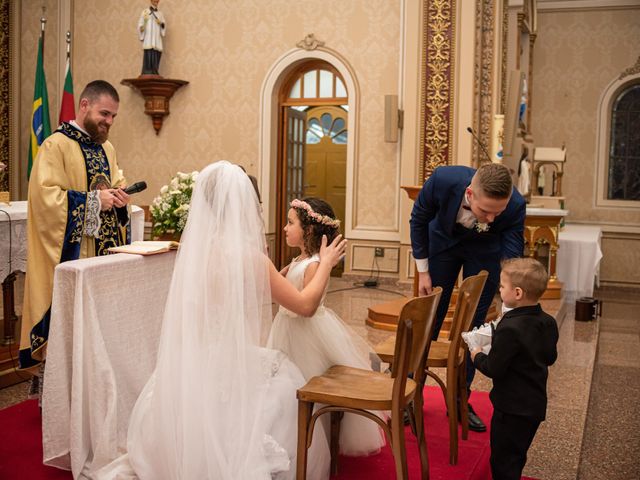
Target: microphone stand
482,147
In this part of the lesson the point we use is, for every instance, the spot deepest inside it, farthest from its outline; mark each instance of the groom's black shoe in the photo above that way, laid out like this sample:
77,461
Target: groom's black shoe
475,424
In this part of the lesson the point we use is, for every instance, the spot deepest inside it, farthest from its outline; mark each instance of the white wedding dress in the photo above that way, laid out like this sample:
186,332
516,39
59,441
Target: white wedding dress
316,343
218,405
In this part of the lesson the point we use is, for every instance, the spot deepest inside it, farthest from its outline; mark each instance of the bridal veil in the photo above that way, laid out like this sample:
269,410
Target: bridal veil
201,413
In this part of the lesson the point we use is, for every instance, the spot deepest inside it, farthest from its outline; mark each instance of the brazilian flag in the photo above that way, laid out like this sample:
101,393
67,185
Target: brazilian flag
40,126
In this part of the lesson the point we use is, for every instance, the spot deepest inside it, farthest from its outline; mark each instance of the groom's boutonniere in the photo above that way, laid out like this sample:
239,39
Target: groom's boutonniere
481,227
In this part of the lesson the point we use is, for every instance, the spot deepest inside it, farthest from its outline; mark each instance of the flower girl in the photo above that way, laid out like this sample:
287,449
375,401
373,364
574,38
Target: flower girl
318,341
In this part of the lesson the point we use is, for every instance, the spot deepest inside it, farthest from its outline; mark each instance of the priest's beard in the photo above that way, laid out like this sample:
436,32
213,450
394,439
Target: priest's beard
98,131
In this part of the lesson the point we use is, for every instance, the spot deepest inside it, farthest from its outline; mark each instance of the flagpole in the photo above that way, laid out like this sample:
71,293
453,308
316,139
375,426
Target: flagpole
68,45
43,21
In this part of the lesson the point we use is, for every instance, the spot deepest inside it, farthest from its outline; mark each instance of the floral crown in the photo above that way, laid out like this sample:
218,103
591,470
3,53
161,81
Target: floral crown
323,219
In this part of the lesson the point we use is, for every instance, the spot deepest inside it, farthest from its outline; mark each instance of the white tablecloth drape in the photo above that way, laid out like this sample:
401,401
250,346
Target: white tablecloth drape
13,235
105,326
13,238
579,256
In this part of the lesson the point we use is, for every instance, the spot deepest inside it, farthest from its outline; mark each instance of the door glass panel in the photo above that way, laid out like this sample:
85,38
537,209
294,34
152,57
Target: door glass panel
315,128
341,138
338,126
326,84
326,120
310,84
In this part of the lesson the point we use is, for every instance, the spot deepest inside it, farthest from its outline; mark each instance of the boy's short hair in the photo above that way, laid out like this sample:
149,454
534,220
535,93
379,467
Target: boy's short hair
528,274
494,180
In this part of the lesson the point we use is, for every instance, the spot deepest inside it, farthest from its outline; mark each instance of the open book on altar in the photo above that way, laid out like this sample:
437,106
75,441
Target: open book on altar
146,247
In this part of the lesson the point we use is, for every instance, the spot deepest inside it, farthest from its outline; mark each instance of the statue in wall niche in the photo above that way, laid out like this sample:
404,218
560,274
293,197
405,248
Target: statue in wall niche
151,28
524,173
542,172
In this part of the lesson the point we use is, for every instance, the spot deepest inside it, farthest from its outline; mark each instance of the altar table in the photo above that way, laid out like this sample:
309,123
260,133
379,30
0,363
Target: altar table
13,252
106,317
579,258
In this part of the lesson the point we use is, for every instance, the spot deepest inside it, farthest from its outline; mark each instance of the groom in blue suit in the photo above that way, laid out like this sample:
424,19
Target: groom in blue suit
466,219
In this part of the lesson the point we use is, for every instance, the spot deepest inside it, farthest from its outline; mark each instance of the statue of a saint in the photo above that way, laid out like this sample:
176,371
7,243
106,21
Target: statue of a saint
151,29
524,173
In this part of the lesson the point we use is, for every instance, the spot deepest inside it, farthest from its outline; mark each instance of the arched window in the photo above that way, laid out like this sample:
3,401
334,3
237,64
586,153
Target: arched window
316,83
624,146
618,143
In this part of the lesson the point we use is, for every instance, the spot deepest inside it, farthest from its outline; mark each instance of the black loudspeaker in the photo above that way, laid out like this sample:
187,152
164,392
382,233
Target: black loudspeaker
587,309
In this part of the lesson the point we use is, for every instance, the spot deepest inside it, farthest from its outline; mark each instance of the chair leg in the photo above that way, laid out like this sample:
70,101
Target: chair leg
336,418
398,446
410,410
452,407
304,417
418,405
464,402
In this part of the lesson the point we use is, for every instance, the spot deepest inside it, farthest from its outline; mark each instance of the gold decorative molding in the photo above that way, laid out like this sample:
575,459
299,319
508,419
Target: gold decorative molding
505,49
310,42
5,97
436,111
631,70
484,76
540,231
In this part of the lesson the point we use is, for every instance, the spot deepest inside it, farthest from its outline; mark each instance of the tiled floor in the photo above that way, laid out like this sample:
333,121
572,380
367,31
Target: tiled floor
591,431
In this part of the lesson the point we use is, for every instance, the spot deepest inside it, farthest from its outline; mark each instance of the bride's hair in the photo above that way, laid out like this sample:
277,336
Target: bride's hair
314,230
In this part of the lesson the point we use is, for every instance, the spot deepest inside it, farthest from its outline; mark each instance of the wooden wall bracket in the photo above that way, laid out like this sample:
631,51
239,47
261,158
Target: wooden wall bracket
156,91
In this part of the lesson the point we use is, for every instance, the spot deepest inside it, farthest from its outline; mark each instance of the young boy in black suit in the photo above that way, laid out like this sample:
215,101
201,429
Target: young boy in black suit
523,346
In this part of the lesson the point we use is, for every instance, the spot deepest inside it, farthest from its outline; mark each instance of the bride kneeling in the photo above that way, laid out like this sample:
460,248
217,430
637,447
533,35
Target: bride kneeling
218,405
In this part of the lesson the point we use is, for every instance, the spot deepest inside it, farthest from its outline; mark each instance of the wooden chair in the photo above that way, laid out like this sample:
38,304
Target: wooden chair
345,389
451,354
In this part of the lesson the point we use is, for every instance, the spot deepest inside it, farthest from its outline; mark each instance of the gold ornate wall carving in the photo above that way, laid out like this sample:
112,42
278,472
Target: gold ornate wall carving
483,111
631,70
5,60
437,84
505,40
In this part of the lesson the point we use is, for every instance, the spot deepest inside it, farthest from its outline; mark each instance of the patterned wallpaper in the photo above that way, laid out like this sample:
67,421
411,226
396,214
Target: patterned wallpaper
30,15
576,55
225,49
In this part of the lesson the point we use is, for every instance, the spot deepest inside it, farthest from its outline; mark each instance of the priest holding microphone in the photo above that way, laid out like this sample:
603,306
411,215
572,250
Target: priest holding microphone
77,208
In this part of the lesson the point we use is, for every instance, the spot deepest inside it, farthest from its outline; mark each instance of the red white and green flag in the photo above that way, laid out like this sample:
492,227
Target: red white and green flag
67,107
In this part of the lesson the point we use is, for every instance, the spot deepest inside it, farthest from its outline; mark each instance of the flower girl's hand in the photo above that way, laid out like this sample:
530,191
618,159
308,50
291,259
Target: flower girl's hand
334,252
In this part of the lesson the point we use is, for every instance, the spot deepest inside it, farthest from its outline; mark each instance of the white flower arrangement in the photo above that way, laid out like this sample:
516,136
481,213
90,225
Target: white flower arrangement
171,208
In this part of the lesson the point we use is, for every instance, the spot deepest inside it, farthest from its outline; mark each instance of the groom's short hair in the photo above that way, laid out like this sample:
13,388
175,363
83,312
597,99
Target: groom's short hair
494,180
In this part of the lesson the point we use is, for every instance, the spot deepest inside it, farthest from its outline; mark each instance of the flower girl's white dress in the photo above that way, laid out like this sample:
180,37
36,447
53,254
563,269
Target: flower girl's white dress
316,343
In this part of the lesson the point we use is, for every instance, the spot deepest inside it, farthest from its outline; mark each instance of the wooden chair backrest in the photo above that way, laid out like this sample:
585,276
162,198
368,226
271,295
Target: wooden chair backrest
472,285
422,313
402,359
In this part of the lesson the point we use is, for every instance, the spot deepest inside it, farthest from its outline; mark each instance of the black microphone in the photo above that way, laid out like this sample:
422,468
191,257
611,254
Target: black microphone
135,188
473,134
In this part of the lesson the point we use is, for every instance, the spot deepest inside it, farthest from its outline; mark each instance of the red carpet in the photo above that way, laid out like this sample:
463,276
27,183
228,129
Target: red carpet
21,447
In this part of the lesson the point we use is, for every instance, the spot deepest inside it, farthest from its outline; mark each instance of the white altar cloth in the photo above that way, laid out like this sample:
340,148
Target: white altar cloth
579,257
14,227
106,317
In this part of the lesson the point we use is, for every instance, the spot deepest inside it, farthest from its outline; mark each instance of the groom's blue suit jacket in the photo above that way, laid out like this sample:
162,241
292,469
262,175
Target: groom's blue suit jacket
433,221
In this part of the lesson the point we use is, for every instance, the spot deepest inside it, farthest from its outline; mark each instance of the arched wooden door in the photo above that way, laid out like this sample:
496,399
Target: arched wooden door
313,141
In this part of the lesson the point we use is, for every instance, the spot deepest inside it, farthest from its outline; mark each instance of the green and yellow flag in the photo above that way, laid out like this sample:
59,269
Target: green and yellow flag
40,125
